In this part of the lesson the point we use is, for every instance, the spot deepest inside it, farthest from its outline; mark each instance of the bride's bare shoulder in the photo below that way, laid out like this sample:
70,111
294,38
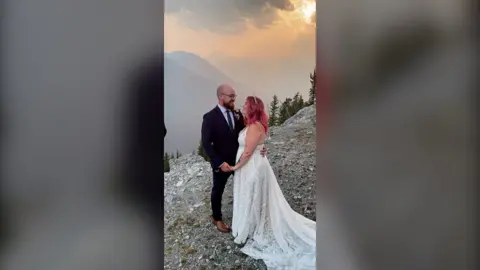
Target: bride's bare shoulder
257,126
259,129
254,128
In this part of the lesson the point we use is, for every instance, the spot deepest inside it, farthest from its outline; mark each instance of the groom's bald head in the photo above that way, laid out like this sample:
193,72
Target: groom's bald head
224,89
226,96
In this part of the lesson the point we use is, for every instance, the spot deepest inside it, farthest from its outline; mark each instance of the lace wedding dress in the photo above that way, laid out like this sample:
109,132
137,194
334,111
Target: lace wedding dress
262,218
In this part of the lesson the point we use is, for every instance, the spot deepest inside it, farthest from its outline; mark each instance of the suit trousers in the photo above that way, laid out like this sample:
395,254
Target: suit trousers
219,181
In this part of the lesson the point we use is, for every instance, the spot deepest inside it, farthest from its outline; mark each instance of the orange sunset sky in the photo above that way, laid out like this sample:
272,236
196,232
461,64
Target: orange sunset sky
269,45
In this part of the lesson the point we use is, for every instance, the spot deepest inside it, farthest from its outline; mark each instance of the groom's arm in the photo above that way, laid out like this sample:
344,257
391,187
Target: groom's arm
207,136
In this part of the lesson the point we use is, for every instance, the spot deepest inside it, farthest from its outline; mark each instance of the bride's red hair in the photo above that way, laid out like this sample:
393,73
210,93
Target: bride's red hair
255,111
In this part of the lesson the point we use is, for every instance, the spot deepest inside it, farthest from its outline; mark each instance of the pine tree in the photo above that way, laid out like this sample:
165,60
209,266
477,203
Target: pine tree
301,103
200,149
297,103
285,111
201,152
166,163
178,154
172,156
313,87
273,119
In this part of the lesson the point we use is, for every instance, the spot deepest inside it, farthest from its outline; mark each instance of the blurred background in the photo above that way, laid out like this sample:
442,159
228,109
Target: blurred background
398,156
64,73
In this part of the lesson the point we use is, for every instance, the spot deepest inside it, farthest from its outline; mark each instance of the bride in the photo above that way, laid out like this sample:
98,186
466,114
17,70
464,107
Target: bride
262,218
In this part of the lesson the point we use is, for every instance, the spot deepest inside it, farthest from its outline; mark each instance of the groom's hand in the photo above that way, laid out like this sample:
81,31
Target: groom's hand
225,167
263,151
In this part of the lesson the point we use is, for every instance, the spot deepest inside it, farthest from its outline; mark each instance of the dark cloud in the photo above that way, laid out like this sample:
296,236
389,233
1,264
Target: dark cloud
226,16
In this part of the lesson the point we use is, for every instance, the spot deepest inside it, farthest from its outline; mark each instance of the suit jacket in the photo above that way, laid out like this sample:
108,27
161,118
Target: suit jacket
219,142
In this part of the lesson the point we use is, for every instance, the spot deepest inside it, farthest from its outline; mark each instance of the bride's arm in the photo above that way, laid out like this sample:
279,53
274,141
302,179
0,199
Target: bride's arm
254,136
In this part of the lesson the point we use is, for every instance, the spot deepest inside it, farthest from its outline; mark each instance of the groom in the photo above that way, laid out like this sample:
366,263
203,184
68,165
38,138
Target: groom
220,129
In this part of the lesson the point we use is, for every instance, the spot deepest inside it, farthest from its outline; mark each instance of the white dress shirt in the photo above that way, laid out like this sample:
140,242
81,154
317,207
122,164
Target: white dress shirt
225,115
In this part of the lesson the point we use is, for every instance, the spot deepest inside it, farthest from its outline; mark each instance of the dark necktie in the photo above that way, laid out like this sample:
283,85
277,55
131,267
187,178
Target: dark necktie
229,119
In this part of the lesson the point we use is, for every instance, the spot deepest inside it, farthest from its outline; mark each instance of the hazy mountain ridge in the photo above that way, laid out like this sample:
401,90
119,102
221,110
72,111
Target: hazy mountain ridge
197,64
190,92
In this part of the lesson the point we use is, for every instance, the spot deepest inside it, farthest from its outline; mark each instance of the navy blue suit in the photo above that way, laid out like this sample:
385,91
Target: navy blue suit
221,145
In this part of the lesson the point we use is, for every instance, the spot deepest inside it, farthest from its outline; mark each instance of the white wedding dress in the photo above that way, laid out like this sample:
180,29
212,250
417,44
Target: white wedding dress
262,218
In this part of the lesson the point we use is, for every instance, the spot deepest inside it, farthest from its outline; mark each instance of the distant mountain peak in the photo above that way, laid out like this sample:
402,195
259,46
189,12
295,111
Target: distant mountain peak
187,74
197,64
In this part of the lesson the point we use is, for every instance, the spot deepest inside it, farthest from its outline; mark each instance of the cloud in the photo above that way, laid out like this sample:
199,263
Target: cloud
313,19
227,16
279,41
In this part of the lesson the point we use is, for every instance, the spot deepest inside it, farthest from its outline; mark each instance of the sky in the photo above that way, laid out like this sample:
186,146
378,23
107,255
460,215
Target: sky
268,45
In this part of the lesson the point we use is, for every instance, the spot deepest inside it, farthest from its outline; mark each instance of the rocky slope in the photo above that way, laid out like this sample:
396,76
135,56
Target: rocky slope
191,241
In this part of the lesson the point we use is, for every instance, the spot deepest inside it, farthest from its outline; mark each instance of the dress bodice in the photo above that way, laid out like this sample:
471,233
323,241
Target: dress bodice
242,140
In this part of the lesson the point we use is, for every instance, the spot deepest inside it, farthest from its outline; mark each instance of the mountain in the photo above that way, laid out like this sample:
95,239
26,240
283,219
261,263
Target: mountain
200,66
190,92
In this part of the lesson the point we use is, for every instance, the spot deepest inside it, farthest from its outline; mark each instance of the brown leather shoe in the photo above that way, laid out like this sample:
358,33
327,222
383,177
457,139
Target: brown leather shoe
221,226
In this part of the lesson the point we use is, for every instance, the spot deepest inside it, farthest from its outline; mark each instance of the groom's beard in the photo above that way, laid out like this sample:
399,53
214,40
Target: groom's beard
230,106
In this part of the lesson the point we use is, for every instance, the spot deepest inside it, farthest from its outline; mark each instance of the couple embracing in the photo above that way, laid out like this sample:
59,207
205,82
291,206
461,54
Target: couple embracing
262,221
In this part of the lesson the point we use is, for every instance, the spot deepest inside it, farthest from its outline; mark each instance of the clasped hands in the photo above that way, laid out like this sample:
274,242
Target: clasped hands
226,167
